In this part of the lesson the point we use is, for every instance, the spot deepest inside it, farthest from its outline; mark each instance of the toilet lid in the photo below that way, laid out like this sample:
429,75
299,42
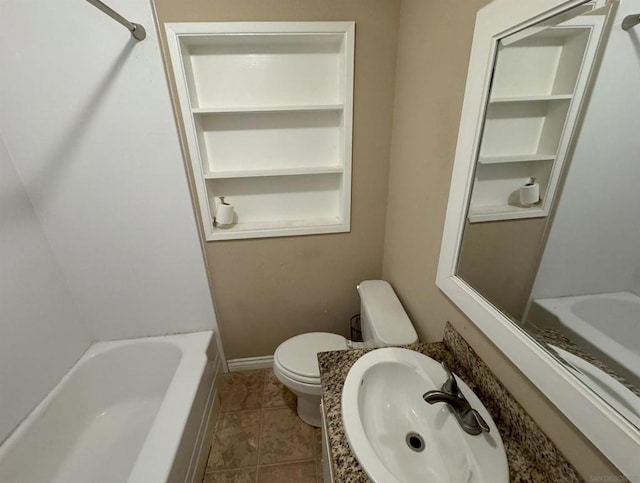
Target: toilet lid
298,355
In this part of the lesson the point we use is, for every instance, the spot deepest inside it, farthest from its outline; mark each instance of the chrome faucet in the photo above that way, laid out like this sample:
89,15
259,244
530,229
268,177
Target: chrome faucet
469,419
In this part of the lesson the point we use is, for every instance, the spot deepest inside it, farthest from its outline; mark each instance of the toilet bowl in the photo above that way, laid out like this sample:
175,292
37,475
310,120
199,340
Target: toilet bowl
295,362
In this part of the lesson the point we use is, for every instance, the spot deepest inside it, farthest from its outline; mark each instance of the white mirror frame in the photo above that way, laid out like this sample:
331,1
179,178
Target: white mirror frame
613,435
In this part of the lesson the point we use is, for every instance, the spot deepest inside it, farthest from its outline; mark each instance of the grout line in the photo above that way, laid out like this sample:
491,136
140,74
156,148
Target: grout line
241,411
224,470
264,385
261,433
259,443
213,438
306,460
231,469
260,409
264,389
315,443
316,456
286,463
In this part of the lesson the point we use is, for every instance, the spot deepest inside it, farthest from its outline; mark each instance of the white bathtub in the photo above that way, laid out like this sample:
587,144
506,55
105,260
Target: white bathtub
137,411
616,394
608,325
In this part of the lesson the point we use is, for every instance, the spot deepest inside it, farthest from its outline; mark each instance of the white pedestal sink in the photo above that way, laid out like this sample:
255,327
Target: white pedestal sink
398,438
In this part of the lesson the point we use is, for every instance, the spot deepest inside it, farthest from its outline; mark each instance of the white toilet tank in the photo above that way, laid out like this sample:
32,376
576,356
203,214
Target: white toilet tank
383,320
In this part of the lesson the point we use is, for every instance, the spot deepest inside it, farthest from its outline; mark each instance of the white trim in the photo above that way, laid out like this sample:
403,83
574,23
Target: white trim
613,435
173,33
288,228
207,28
250,363
347,119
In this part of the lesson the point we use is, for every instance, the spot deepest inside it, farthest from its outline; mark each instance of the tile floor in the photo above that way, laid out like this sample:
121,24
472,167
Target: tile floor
259,437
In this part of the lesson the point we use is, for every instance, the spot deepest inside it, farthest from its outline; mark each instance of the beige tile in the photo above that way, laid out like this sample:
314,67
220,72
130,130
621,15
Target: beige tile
242,391
235,443
304,472
245,475
285,437
276,394
317,440
319,473
235,380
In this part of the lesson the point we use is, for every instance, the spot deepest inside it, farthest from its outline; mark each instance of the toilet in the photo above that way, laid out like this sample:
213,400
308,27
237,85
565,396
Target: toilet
383,322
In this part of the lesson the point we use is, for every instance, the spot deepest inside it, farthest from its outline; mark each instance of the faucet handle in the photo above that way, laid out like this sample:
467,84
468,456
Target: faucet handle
473,419
450,385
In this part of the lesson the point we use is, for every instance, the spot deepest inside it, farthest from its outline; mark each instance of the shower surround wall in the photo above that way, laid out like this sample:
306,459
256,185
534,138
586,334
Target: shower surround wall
41,332
593,243
86,117
97,234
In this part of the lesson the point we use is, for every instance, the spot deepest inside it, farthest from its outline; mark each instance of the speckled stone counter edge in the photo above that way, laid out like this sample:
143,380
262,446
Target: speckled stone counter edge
532,457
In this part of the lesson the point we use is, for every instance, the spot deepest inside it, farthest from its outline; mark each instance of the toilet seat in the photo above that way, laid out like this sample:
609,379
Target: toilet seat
297,357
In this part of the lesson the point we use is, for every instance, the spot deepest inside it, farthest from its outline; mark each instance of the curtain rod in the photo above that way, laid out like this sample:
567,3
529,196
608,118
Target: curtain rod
137,31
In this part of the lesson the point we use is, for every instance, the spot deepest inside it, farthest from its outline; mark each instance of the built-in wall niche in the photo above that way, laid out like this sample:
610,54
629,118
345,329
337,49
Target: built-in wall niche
267,109
539,80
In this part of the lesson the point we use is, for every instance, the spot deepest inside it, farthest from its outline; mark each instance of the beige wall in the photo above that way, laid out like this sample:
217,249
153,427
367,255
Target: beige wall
267,290
499,259
433,51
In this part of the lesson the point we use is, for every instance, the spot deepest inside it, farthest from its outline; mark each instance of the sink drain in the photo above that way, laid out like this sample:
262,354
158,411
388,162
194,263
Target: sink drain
415,442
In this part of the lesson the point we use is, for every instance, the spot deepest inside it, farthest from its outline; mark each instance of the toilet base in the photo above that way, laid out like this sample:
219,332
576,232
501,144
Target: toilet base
309,409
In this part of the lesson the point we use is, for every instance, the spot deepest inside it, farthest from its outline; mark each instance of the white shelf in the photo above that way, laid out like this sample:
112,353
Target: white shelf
542,98
278,228
268,113
260,173
515,158
268,199
245,69
252,109
524,128
547,63
270,140
504,212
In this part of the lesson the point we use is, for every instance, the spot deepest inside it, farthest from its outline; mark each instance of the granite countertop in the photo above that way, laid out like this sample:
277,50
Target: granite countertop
530,454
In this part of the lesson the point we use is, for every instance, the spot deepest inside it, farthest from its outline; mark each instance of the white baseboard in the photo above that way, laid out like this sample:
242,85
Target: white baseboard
249,363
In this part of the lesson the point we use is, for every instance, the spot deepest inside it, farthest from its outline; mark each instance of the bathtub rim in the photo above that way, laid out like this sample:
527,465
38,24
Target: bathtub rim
585,370
560,307
158,453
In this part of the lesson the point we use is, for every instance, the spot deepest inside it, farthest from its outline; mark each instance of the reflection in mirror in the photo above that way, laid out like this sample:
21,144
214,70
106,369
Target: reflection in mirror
552,234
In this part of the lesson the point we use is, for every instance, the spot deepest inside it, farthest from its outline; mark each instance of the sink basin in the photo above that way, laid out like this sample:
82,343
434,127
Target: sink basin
397,437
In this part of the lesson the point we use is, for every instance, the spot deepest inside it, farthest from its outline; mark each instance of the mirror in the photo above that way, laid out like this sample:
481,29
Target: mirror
542,233
560,259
